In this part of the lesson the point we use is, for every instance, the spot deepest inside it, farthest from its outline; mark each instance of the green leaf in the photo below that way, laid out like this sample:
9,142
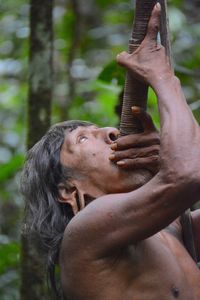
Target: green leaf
9,169
113,72
153,107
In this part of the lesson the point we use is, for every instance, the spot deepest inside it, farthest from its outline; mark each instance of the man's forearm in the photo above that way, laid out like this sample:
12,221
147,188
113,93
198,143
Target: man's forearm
171,100
180,134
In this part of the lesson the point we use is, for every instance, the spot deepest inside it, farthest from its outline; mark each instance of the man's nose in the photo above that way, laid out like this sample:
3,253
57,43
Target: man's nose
110,134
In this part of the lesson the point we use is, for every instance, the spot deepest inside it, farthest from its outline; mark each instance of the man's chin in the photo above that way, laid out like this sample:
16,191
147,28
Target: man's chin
141,177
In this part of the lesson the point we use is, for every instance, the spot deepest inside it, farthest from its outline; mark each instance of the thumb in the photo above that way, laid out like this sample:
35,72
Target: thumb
154,24
123,59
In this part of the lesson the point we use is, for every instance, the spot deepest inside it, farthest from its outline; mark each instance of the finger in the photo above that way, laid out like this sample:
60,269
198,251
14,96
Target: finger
144,118
135,153
123,59
154,24
140,163
136,140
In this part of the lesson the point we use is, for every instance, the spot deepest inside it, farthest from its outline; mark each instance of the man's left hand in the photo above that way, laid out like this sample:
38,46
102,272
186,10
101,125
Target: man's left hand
141,150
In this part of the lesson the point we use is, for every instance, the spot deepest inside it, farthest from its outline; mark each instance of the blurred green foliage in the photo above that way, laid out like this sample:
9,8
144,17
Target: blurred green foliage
87,40
9,254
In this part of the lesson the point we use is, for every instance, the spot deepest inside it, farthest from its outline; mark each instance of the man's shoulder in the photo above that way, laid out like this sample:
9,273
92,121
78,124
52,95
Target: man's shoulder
79,232
71,232
70,245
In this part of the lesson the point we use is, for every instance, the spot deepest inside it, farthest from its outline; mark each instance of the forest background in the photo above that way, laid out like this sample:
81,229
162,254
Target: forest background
87,83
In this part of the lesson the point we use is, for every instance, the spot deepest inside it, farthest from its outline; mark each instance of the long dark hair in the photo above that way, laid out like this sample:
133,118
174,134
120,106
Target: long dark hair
45,216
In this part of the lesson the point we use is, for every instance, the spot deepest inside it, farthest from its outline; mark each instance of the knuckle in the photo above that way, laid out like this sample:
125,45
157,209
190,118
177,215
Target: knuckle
118,155
159,47
119,143
156,149
153,24
154,152
154,158
133,153
155,139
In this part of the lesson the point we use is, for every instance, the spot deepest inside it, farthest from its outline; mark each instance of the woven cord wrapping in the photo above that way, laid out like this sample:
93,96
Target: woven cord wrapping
135,92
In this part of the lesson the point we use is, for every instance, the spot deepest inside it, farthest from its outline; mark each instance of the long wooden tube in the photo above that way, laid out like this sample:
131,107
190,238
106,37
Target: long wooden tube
135,92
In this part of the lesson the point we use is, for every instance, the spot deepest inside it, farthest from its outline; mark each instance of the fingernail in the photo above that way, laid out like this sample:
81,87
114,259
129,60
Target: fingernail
136,109
121,163
113,146
158,6
112,156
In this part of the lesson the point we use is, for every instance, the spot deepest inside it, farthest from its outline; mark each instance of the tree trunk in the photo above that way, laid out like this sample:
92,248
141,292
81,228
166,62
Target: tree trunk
41,70
33,273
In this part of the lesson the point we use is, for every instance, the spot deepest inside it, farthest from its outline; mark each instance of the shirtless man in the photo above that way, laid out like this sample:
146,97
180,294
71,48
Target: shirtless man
117,248
126,244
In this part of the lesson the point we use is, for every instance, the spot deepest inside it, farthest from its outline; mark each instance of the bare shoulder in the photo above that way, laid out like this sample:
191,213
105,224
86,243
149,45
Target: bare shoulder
87,229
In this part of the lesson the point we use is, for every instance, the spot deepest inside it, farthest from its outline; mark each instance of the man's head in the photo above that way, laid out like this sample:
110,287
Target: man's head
86,151
68,168
65,170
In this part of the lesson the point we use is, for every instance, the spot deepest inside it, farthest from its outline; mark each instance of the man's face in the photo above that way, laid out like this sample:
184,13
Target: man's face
87,150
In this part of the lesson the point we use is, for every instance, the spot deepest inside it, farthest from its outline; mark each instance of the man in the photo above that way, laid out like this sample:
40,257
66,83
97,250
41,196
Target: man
124,240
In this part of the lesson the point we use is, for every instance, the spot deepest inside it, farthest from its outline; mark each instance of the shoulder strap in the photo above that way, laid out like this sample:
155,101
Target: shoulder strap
188,237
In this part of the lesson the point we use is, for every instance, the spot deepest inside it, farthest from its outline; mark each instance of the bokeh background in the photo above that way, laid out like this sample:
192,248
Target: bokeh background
87,83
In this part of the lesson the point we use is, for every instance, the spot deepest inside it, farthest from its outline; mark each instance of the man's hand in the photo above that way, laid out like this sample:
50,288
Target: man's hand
138,151
149,62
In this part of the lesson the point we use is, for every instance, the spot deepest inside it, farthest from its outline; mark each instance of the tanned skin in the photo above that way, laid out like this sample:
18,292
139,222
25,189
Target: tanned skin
127,243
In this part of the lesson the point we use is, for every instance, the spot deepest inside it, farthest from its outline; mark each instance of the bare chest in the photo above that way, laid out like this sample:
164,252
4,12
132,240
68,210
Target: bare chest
154,269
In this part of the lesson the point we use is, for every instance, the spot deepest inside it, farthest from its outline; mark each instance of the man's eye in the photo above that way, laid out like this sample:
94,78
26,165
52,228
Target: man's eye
82,138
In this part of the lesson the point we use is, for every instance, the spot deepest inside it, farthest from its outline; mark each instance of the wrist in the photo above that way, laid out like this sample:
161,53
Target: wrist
166,82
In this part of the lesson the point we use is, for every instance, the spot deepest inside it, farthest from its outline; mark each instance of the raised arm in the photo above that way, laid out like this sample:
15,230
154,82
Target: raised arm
114,221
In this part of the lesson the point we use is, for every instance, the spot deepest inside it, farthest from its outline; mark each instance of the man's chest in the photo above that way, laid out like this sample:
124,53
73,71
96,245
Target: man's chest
148,270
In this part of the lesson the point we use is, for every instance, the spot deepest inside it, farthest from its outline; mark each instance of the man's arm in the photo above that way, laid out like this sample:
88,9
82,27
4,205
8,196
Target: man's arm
114,221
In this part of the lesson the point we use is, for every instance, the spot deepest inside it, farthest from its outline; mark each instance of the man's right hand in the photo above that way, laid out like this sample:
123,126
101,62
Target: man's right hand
141,150
149,62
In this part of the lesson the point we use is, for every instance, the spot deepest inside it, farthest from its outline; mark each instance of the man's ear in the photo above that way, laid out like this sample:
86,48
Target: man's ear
69,196
72,196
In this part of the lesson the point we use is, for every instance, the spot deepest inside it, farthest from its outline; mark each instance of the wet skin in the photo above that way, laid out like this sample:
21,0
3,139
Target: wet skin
127,243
